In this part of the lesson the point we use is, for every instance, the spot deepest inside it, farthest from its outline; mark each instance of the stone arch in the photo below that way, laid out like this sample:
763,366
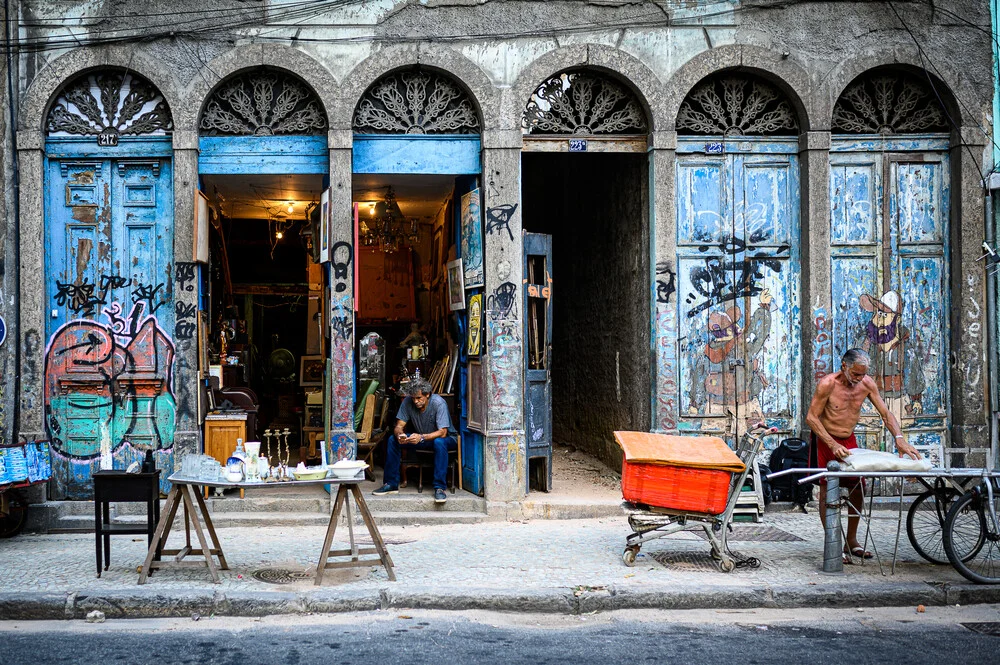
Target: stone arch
466,73
251,56
950,87
790,78
50,81
624,68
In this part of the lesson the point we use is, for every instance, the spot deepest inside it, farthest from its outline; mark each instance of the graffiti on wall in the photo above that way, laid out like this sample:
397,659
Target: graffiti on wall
666,389
504,344
108,388
83,297
342,442
729,277
895,354
822,344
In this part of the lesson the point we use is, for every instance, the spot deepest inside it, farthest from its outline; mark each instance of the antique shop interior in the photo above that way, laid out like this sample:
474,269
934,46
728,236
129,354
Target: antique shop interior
268,287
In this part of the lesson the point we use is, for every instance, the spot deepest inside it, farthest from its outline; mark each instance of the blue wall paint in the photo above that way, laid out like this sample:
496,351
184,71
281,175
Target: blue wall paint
263,154
737,276
889,235
417,154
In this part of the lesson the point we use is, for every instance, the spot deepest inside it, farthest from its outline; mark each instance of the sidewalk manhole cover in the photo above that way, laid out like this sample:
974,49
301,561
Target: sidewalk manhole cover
984,627
758,534
279,575
697,561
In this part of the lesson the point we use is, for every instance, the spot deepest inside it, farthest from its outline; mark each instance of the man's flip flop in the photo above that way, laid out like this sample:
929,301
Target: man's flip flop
861,553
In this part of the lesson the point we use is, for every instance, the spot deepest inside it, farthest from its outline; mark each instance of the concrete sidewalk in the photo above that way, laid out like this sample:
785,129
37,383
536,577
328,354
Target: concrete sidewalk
568,566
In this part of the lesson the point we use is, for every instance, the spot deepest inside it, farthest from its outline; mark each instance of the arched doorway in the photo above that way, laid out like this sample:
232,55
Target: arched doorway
419,249
889,242
108,394
263,166
585,191
737,203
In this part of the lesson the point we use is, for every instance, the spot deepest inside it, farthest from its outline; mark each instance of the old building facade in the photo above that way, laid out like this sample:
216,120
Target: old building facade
727,196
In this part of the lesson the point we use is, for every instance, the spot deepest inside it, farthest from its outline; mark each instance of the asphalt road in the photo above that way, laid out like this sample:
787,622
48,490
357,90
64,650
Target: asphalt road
888,635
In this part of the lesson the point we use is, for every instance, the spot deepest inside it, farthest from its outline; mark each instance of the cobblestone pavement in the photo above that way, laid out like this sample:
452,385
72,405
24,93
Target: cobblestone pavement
516,556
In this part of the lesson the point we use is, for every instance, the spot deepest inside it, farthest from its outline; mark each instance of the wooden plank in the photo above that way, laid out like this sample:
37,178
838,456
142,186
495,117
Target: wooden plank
263,154
594,143
359,551
356,563
430,155
331,529
271,289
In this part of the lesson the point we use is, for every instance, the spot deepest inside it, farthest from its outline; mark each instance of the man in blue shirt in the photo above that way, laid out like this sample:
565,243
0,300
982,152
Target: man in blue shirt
422,423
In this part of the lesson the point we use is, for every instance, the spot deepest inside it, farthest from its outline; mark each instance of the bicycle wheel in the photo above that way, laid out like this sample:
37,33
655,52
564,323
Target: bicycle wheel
971,542
925,523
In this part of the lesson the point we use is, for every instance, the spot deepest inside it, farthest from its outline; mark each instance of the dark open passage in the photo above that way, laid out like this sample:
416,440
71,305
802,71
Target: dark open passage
596,207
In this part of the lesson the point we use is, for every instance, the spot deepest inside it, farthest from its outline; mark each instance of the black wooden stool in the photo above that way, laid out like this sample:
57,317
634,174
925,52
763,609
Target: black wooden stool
118,486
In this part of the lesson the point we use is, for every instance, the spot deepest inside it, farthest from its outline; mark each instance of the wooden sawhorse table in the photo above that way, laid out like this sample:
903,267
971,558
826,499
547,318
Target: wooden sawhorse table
187,491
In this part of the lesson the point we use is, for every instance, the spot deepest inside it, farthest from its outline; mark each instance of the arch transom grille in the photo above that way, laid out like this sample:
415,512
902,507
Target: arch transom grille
109,103
264,102
415,102
888,103
583,103
736,105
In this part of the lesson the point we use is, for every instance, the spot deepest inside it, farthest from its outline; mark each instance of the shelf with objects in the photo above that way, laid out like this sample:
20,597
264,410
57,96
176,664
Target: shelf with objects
412,314
22,465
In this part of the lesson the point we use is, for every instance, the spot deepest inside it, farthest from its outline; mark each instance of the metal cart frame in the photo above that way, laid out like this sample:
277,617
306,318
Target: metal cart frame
649,523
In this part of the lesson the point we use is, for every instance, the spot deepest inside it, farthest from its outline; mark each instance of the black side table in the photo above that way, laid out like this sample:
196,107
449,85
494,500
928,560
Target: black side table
119,486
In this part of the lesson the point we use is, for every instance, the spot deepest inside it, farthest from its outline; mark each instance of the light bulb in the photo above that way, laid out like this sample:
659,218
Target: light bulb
371,208
279,235
291,207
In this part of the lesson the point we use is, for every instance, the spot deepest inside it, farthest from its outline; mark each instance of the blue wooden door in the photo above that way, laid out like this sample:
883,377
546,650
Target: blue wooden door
109,258
538,355
737,317
889,282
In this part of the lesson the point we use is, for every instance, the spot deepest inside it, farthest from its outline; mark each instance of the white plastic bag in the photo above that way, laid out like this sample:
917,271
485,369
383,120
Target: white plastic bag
862,459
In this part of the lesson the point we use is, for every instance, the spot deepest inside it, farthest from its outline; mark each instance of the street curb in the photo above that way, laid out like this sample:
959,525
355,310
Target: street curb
149,603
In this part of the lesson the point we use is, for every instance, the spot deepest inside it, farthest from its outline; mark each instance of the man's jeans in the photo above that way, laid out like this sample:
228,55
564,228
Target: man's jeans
440,446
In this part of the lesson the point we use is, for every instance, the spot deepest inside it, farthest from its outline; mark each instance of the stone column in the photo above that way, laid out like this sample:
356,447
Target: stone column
187,392
663,242
31,336
504,467
340,440
817,313
969,373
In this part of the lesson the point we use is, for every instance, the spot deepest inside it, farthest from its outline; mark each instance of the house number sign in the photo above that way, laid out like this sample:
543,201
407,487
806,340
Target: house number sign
108,138
578,145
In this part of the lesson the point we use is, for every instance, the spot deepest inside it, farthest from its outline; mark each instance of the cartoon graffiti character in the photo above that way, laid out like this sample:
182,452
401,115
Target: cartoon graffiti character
896,366
727,377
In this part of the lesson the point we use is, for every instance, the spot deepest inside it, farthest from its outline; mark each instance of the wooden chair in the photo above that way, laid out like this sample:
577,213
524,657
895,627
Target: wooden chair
425,460
364,435
369,440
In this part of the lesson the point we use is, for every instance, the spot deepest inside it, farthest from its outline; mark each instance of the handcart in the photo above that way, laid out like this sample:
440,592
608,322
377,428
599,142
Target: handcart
21,465
651,522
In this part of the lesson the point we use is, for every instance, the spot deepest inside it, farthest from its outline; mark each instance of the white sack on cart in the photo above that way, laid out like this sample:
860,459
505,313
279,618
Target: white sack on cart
862,459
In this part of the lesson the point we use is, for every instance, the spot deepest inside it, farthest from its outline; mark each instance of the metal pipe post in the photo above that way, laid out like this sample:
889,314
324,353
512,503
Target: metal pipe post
833,544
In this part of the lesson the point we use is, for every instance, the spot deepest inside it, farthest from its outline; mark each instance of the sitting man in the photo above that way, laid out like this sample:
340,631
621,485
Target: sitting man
425,417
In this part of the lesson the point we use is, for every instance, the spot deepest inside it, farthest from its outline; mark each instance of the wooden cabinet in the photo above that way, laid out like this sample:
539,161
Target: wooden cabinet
221,432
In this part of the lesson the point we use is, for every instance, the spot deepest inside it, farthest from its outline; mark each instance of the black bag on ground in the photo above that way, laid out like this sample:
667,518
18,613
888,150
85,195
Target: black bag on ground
790,454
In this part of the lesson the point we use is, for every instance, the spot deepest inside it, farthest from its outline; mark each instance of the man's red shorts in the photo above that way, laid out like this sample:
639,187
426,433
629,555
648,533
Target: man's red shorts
824,455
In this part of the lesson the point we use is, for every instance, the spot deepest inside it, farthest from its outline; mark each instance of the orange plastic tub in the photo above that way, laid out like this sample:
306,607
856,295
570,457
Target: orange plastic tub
675,487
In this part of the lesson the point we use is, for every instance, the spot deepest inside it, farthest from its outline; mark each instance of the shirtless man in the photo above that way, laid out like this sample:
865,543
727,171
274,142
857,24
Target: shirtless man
833,415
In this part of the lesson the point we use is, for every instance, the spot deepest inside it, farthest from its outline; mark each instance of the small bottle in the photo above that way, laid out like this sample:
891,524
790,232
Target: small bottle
148,464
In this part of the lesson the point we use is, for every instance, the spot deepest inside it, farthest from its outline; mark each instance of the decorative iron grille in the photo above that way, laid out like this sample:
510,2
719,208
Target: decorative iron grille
583,103
415,102
736,106
264,102
111,104
888,104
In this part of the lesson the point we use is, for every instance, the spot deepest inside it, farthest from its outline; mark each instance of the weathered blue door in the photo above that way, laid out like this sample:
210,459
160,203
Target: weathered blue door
889,279
109,259
538,356
737,318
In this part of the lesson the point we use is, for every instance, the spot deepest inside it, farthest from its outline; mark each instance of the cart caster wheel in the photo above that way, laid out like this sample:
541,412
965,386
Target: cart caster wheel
727,565
138,569
628,556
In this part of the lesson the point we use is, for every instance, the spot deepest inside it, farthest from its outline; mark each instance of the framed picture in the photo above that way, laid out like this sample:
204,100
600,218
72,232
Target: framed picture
324,226
456,285
474,402
311,370
472,240
200,251
475,324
